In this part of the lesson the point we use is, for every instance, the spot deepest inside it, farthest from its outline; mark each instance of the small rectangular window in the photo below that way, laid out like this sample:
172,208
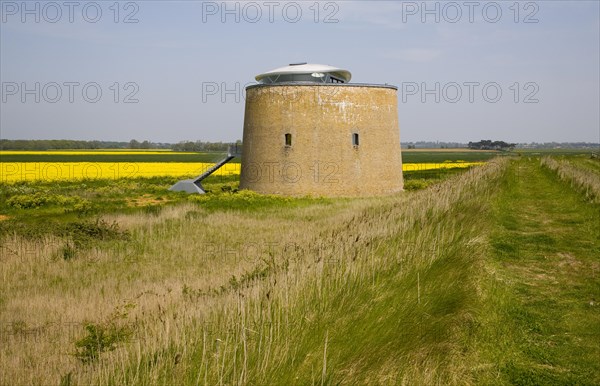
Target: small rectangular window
355,142
288,139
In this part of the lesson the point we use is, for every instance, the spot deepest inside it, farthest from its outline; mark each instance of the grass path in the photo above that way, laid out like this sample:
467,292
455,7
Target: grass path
543,305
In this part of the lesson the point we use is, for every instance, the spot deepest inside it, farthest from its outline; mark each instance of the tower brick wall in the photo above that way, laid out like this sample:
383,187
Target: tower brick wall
324,121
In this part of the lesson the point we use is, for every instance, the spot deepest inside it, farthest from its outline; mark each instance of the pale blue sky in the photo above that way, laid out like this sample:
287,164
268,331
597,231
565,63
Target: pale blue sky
177,49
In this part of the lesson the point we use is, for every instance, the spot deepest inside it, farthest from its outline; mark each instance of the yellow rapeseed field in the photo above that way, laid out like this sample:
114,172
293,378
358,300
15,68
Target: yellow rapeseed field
433,166
53,171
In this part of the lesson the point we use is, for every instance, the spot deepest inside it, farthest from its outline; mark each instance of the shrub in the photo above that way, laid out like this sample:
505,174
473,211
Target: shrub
104,336
82,207
28,201
95,230
82,235
100,338
38,199
416,184
68,252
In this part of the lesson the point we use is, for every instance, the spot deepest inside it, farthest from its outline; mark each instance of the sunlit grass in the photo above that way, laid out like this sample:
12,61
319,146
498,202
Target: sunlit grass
484,275
225,294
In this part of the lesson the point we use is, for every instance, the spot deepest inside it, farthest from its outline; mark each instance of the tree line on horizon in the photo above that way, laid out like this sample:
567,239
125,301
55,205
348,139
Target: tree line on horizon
67,144
201,146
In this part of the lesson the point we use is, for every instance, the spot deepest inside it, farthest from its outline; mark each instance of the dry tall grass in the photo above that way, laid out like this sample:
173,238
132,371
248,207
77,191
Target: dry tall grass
583,179
254,297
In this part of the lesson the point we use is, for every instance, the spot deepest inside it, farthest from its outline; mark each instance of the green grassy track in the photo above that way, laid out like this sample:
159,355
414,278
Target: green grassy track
543,311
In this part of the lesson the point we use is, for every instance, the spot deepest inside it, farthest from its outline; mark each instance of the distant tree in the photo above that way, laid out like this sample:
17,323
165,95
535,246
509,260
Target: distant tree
487,144
203,146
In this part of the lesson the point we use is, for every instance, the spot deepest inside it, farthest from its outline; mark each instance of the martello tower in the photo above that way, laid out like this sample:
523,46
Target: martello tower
308,131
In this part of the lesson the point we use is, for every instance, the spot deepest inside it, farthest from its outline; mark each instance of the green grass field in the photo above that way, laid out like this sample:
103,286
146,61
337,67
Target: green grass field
488,275
441,155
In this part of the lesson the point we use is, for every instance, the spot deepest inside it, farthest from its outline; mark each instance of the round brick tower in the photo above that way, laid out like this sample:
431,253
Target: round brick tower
307,131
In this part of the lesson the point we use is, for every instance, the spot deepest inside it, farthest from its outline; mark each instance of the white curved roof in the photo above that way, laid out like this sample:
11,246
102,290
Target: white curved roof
307,68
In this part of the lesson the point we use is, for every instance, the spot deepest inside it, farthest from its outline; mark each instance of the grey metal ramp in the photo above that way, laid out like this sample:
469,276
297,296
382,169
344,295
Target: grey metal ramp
193,185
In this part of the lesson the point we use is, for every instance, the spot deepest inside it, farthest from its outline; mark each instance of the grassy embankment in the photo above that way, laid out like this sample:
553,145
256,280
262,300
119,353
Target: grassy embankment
162,288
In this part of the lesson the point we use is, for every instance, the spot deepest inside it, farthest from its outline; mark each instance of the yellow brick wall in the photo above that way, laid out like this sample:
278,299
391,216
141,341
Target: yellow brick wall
322,160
